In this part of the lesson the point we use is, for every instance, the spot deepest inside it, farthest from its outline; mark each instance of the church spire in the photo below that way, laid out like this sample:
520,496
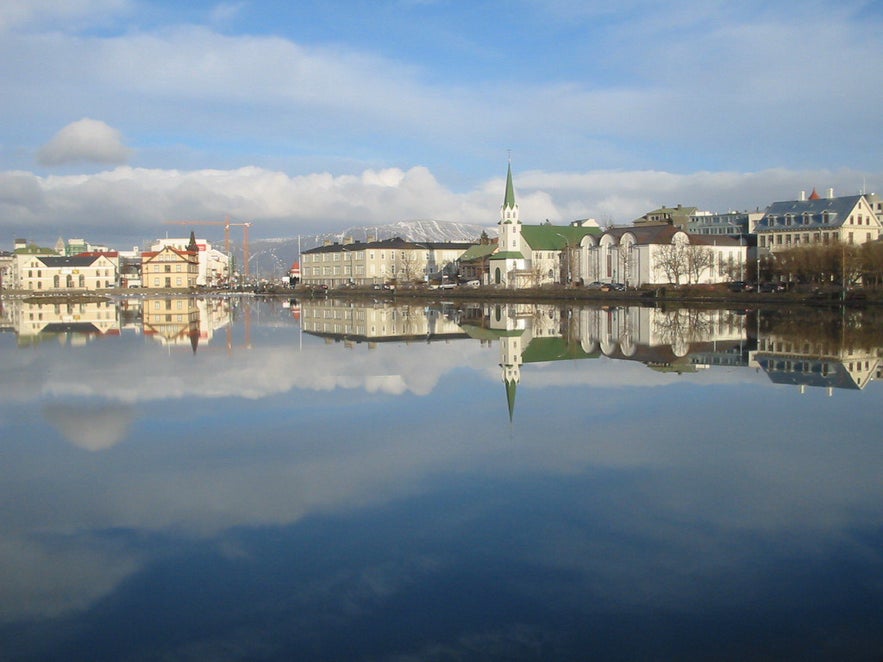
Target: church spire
509,212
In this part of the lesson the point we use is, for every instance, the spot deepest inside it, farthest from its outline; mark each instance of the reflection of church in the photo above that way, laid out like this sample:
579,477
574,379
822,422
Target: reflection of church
526,333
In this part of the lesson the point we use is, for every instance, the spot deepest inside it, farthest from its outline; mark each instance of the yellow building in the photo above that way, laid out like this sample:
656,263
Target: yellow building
169,269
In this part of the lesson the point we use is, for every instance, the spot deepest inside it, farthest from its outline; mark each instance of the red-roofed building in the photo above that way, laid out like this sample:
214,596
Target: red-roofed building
169,269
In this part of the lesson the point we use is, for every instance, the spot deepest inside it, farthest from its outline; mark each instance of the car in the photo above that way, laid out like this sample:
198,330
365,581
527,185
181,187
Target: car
473,283
617,287
596,285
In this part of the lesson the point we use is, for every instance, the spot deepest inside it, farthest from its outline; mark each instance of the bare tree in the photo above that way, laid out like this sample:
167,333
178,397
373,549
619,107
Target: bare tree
698,259
671,260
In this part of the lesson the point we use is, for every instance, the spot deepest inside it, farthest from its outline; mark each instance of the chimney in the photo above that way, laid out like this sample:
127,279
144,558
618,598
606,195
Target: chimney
830,194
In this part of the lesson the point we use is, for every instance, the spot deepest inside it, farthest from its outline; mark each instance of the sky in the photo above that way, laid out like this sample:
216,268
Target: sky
301,117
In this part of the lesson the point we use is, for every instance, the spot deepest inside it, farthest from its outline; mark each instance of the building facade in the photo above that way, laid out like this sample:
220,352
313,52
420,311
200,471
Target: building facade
376,262
816,220
169,269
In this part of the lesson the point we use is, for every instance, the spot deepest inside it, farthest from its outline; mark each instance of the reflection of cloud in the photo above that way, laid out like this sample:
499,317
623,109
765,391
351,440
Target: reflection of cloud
84,140
90,427
49,580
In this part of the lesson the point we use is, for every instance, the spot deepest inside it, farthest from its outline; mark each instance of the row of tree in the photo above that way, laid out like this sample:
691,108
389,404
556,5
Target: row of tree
825,264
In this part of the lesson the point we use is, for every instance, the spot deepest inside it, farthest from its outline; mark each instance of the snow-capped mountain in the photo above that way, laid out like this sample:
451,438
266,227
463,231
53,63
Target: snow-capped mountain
274,256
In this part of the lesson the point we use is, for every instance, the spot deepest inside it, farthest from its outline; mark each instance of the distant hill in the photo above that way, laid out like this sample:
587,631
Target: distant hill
273,257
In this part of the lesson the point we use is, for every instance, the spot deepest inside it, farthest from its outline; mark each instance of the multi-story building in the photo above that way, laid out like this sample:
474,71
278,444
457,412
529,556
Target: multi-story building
374,262
731,223
213,265
86,272
816,220
169,269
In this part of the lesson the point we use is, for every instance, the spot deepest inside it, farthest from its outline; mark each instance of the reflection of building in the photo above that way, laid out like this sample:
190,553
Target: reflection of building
173,320
816,364
77,322
374,323
527,333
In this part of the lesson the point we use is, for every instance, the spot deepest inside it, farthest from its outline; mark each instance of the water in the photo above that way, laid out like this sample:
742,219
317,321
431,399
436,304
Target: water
236,479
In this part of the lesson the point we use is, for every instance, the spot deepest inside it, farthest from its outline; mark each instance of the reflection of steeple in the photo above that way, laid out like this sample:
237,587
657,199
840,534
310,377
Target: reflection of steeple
194,336
511,385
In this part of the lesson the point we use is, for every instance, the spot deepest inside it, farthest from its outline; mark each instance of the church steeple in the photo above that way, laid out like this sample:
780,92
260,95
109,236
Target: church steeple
509,212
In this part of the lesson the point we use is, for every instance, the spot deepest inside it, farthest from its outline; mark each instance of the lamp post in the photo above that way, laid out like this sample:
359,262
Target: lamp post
566,254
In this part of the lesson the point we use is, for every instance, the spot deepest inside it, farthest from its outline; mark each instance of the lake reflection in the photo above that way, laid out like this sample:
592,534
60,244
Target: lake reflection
319,480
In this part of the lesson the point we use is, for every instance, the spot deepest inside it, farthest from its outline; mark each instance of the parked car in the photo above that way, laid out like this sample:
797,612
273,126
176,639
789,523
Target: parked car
596,285
617,287
771,287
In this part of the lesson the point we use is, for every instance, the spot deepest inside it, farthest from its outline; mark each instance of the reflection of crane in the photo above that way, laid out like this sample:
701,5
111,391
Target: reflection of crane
227,225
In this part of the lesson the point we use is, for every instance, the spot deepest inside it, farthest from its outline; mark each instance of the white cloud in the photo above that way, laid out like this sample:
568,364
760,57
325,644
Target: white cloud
85,140
44,13
136,201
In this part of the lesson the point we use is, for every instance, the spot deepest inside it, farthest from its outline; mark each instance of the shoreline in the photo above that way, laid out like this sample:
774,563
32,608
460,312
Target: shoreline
693,295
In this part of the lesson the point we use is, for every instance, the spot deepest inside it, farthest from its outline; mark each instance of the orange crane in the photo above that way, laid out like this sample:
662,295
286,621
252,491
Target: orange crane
227,225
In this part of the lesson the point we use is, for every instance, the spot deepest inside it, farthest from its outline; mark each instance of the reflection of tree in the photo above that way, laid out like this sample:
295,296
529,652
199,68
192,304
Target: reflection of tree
682,327
825,331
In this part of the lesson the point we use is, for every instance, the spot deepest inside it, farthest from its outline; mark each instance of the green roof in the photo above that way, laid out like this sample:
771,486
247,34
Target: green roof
542,350
508,255
477,252
555,237
509,199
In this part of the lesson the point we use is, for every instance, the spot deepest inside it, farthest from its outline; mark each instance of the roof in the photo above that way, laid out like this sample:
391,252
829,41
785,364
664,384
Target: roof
58,261
810,213
396,243
184,255
646,234
543,350
555,237
507,255
478,252
509,198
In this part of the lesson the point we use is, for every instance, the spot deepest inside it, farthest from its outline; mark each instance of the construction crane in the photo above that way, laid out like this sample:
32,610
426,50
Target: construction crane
227,225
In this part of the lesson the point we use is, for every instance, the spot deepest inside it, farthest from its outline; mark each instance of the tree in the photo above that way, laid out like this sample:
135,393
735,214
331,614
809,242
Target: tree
697,260
671,260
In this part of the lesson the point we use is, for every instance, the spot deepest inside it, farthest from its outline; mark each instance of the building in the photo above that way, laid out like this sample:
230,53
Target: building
731,223
534,255
86,272
213,265
169,269
679,216
815,220
659,255
376,262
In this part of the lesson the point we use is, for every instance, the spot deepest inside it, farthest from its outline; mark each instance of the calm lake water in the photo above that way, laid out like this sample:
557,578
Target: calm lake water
265,480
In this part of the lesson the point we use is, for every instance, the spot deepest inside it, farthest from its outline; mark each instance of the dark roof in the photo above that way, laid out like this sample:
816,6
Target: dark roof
813,210
69,261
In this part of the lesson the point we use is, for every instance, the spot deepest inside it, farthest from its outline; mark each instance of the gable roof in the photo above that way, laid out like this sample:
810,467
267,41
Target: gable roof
187,256
59,261
814,211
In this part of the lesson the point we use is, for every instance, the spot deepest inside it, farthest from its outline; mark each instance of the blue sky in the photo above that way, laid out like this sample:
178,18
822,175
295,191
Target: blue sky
308,116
